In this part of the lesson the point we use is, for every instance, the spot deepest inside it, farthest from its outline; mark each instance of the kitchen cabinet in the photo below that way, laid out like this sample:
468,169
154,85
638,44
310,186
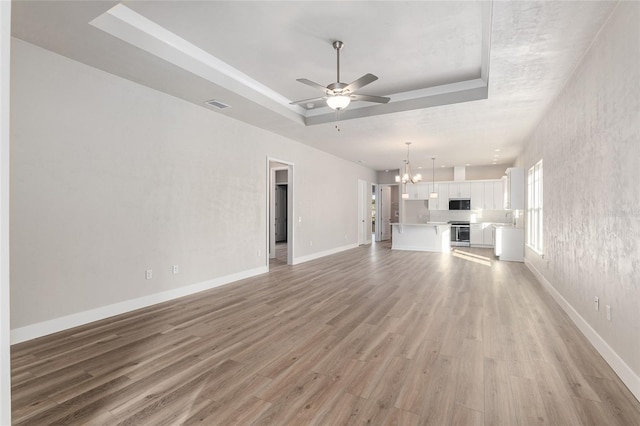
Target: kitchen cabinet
477,195
498,195
411,191
417,191
459,190
443,196
486,195
442,202
423,191
489,232
509,243
481,235
493,195
513,187
476,237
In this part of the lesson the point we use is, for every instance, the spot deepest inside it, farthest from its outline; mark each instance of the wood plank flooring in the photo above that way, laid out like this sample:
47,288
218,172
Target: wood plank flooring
367,336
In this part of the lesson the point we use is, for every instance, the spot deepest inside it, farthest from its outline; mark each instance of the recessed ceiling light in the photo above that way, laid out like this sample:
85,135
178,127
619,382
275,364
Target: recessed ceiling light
497,150
444,165
468,164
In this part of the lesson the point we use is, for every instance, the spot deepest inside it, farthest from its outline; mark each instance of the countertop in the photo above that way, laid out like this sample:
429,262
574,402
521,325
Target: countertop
422,224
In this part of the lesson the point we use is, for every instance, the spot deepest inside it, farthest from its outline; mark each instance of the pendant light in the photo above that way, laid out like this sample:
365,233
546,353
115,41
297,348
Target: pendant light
433,193
407,175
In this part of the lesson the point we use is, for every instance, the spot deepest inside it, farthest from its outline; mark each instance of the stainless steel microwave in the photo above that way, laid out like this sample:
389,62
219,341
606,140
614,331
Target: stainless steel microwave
459,204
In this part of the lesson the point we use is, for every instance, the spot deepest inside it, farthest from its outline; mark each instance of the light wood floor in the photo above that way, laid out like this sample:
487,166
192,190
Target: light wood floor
367,336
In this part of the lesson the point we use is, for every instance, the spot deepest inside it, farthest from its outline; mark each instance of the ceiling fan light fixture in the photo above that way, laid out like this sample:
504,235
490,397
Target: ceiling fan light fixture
338,95
338,102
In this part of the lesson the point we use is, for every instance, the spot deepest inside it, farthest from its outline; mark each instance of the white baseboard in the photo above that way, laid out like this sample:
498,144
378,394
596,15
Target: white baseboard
420,248
33,331
320,254
626,374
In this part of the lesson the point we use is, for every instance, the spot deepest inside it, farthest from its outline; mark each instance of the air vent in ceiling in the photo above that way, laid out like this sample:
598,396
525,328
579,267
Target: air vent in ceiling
217,104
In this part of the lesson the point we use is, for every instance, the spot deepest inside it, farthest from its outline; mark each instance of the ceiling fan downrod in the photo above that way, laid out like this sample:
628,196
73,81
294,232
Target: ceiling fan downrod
338,45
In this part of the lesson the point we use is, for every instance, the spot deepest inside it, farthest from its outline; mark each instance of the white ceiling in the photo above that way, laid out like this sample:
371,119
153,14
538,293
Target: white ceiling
465,78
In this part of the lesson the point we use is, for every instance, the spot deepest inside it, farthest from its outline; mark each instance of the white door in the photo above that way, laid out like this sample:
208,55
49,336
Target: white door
385,213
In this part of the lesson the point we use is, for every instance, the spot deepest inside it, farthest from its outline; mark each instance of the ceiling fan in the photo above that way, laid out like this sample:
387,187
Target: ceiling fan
338,95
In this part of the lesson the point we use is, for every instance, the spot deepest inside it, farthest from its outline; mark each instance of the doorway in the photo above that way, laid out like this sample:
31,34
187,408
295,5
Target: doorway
374,213
280,212
280,241
364,212
388,210
384,228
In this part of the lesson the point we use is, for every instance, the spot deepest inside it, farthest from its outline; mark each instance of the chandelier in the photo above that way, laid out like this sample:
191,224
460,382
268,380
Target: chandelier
407,175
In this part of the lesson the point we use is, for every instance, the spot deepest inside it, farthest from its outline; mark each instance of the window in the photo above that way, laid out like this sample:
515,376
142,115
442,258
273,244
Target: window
534,207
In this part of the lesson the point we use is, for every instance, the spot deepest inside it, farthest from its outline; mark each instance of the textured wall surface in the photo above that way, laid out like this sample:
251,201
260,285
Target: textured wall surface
110,178
589,141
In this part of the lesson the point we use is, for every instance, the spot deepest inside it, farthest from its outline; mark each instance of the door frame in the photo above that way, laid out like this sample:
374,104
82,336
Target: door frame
379,206
373,190
364,212
379,188
281,187
270,191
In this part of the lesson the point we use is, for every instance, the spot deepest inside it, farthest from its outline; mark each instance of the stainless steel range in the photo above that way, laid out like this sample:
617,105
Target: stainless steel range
460,234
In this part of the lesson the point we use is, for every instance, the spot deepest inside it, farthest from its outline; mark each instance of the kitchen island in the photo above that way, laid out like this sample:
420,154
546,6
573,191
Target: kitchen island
432,236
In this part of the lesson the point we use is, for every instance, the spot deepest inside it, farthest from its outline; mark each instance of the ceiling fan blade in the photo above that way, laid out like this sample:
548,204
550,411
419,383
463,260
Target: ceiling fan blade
312,84
361,82
370,98
306,101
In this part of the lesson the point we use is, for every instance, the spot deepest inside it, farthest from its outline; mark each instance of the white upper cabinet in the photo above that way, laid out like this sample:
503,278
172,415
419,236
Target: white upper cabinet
417,191
498,195
442,202
514,189
477,195
460,190
411,191
493,196
486,195
443,197
423,191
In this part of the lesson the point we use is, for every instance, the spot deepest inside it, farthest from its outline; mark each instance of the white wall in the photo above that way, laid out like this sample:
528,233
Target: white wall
110,178
589,141
5,340
486,172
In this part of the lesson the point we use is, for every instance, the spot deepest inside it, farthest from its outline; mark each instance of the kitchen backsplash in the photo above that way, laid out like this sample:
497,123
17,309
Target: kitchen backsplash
417,212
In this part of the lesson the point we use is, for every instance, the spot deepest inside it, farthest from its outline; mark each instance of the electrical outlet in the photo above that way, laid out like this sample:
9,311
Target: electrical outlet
596,300
148,274
609,312
310,243
259,253
175,269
